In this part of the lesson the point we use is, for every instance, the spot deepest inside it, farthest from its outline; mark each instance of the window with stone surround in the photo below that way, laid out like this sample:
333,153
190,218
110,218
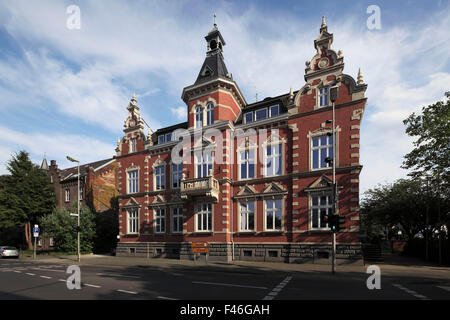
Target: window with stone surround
177,175
133,220
160,220
320,205
160,177
203,213
177,220
210,114
273,214
323,97
321,148
133,181
247,216
67,195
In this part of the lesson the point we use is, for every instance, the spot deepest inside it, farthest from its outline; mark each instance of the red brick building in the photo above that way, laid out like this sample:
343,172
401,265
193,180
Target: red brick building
253,181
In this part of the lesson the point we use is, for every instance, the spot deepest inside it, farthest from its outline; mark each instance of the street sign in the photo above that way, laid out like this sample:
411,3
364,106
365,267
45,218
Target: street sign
36,231
200,247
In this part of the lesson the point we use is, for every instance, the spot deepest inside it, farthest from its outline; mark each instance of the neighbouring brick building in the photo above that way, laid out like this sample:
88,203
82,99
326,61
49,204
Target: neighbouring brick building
253,182
98,187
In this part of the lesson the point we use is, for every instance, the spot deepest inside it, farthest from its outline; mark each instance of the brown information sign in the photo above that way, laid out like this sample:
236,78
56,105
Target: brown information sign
200,247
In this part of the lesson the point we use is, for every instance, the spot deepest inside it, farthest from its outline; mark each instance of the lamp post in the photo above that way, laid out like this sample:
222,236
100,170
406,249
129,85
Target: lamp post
333,98
78,206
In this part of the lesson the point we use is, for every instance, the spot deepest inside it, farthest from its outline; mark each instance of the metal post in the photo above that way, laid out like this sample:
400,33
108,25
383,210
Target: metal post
78,209
34,253
333,264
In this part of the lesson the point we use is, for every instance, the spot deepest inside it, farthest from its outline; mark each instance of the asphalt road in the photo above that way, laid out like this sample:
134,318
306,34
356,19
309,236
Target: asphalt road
43,280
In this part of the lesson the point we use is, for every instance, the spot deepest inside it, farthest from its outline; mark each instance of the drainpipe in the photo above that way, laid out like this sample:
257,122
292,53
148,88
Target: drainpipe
231,194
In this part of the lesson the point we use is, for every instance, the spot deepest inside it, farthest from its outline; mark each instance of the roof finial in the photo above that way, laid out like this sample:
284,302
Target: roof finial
215,25
360,77
291,94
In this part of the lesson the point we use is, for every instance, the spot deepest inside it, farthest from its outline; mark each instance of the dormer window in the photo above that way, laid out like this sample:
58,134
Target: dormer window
210,114
161,139
198,117
261,114
323,97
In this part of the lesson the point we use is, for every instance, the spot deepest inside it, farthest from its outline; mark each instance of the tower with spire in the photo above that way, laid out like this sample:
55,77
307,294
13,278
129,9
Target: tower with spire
214,83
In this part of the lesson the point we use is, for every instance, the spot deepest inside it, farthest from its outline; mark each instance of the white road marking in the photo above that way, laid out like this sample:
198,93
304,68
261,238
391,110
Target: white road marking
411,292
125,291
62,280
444,287
91,285
45,277
50,270
16,271
228,285
30,274
271,295
165,298
117,275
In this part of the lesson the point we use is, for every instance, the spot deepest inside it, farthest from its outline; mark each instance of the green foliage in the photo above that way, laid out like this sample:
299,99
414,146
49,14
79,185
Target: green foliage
62,227
25,193
404,204
431,153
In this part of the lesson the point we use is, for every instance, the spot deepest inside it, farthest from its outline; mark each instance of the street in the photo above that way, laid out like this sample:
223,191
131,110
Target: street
47,280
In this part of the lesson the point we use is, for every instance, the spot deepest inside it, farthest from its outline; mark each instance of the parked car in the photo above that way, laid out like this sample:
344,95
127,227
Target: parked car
9,252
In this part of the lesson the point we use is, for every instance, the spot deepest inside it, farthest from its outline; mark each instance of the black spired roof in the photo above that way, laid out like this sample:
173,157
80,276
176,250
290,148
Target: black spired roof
214,64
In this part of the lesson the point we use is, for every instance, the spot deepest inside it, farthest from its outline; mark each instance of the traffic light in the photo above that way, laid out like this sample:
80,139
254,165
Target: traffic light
341,225
333,222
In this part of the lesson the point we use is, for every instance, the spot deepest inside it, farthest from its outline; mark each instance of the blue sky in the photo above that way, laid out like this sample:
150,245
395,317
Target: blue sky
65,92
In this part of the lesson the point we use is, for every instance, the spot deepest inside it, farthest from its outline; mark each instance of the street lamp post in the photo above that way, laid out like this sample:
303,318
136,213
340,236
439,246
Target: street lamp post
333,98
78,206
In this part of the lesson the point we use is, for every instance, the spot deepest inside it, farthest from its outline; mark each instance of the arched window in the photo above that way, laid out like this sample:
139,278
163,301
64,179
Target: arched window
210,114
198,117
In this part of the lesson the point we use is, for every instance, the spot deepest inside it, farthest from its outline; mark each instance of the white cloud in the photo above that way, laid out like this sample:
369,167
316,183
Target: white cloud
57,146
179,112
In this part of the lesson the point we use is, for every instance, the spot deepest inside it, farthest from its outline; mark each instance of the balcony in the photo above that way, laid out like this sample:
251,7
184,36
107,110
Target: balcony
200,187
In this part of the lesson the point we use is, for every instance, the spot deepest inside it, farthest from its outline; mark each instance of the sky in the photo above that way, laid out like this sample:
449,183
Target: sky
64,90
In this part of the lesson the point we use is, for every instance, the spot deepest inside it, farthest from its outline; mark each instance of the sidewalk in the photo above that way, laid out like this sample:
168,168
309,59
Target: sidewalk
404,266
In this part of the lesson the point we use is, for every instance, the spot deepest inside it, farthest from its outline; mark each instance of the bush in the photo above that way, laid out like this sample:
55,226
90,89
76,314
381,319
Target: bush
62,227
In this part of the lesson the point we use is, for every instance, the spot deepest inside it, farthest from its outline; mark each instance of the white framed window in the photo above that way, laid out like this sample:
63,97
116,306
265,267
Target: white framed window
161,139
274,215
160,220
204,163
247,216
40,242
198,117
210,114
132,145
81,193
247,164
160,177
168,137
133,220
51,242
261,114
67,195
177,175
248,117
323,97
177,220
273,159
321,148
203,213
133,181
321,205
274,110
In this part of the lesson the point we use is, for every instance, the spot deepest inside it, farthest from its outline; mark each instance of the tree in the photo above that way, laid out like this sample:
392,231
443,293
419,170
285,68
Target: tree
402,203
63,228
25,195
431,154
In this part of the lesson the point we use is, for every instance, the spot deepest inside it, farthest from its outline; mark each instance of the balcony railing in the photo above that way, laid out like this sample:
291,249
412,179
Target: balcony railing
207,187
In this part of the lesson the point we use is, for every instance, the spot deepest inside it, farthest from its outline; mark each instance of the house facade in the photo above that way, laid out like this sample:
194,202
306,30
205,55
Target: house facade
253,180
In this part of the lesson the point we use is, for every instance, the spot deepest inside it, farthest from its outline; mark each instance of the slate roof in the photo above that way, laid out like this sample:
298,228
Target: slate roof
215,64
73,171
